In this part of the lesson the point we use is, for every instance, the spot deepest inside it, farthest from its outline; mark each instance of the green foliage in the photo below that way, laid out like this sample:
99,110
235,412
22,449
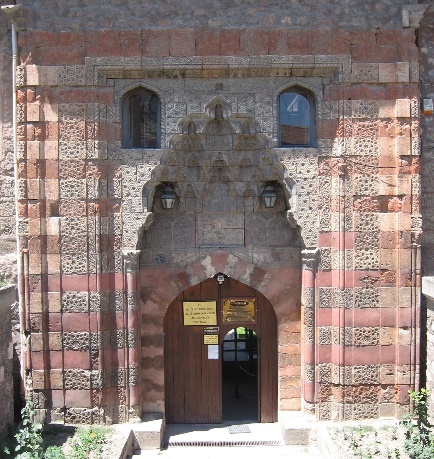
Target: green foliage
28,440
54,452
368,443
419,435
4,282
87,443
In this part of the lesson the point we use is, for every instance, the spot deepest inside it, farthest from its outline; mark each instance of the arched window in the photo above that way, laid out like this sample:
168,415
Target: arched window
296,118
141,119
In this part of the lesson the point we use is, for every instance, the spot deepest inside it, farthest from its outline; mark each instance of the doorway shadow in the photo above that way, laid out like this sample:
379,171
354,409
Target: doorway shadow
240,376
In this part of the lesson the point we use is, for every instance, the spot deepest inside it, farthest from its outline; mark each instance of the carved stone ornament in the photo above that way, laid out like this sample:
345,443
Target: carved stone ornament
310,258
131,260
412,15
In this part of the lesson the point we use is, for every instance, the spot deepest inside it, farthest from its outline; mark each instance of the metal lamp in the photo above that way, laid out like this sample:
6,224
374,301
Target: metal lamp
269,196
168,197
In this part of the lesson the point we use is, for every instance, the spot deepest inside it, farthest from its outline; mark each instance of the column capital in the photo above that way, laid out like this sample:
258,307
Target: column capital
131,259
310,258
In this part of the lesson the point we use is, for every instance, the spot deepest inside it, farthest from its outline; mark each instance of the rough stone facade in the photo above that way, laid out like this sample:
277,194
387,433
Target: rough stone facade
7,299
7,196
426,40
338,257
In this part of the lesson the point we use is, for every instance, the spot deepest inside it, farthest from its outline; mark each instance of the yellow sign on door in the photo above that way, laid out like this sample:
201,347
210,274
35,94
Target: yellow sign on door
200,312
210,339
239,310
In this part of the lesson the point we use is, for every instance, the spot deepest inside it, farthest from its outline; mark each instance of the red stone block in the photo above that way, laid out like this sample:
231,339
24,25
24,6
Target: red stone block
182,42
53,244
324,278
408,52
134,395
366,53
54,321
364,317
112,357
387,354
156,43
401,91
103,43
278,42
230,42
331,41
388,36
50,169
368,92
297,42
367,38
78,398
364,355
130,43
68,55
404,355
253,42
45,38
337,92
76,359
328,129
324,317
56,360
208,43
38,361
49,131
57,398
30,95
75,322
324,353
389,239
76,95
53,282
325,239
72,38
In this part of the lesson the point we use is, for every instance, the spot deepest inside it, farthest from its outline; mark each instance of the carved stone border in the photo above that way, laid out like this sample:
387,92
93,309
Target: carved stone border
99,69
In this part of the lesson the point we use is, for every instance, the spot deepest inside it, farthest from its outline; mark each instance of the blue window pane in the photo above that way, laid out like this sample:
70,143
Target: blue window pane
295,119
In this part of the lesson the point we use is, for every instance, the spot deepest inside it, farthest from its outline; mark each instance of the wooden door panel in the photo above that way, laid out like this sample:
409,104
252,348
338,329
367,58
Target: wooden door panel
193,392
193,386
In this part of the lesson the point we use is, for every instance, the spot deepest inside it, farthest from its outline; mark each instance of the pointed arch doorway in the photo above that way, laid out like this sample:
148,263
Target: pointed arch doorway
193,368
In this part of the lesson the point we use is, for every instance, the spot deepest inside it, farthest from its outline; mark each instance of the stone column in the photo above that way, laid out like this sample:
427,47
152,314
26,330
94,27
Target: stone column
310,259
131,268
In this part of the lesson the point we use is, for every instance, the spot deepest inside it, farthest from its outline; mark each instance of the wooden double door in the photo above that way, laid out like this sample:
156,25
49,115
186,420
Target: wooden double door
193,375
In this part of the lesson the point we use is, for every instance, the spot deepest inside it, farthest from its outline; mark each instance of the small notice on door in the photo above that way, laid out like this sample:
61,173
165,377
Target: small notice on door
210,339
200,312
213,352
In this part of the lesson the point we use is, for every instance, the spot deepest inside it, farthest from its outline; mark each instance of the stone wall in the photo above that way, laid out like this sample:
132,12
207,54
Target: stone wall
97,283
426,40
7,196
7,299
350,14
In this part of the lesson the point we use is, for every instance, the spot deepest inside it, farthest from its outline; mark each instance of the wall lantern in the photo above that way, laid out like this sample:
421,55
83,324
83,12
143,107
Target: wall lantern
269,196
168,197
